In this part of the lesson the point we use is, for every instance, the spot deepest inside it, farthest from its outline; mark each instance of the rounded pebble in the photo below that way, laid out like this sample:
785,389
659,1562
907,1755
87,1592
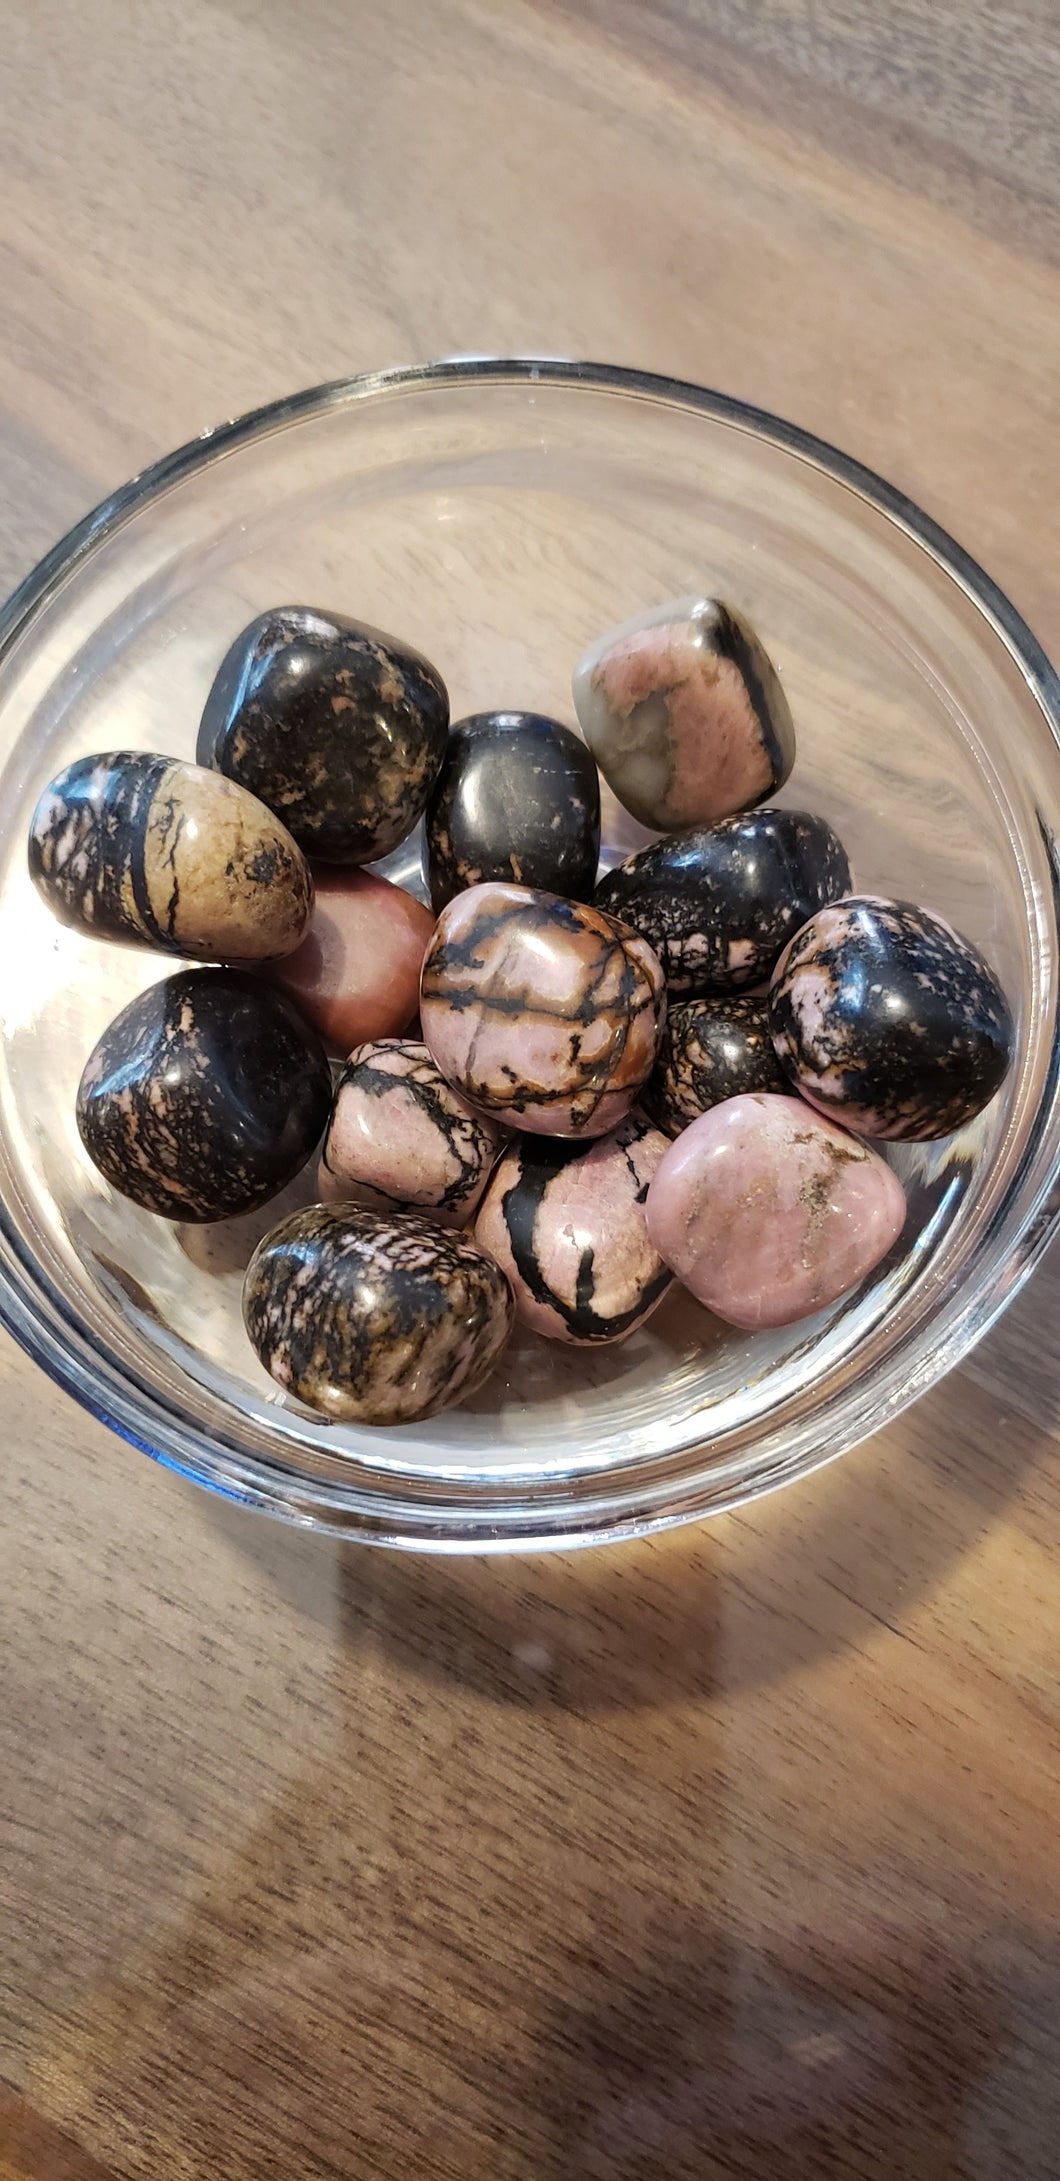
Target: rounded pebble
887,1018
683,710
356,974
517,799
340,729
542,1012
401,1138
719,905
156,853
566,1224
767,1212
711,1050
374,1320
205,1096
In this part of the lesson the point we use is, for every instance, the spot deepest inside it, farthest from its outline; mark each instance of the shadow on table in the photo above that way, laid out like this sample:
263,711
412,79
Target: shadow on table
739,1602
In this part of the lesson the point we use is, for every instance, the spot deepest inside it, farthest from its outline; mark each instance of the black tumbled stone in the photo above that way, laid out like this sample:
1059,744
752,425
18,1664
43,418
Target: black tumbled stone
889,1021
719,904
517,799
204,1096
711,1050
338,728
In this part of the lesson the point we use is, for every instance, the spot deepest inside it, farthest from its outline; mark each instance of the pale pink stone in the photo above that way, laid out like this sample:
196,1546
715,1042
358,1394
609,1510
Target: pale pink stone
767,1212
401,1139
685,715
544,1013
568,1229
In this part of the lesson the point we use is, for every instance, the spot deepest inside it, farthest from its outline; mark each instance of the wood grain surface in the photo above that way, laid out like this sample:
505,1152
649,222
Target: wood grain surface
731,1854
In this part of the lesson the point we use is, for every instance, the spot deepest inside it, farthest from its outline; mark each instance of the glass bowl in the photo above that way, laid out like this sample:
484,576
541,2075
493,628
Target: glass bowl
499,514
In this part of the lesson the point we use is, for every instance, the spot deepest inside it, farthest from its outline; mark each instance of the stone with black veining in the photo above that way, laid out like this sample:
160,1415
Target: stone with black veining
566,1223
339,728
683,710
157,853
401,1138
372,1318
544,1013
517,799
711,1050
886,1018
719,904
205,1096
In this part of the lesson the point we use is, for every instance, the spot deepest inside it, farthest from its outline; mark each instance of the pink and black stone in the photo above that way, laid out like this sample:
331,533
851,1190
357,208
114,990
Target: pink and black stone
338,728
544,1013
719,904
374,1319
517,799
566,1224
767,1212
156,853
205,1096
683,711
401,1138
711,1050
888,1019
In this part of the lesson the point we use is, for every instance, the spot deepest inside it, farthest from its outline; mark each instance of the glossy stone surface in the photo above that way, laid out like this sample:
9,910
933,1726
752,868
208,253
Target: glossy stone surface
566,1224
542,1012
517,799
719,904
204,1096
711,1050
767,1212
887,1018
340,729
683,711
401,1138
356,974
372,1319
143,849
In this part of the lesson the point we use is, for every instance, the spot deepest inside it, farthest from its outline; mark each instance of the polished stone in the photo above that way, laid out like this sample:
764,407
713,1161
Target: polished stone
156,853
401,1138
374,1319
767,1212
542,1012
356,974
711,1050
684,712
517,799
340,729
719,904
205,1096
891,1021
566,1224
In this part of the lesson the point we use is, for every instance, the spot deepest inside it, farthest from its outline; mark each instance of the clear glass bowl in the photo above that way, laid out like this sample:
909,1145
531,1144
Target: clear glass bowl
499,514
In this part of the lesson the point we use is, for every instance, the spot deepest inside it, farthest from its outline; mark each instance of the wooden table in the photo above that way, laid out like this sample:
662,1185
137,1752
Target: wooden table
732,1854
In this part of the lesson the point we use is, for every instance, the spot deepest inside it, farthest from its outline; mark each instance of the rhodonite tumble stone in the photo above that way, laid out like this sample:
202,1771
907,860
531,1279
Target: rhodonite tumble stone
544,1013
161,854
205,1096
401,1138
684,713
371,1319
889,1020
767,1212
340,729
517,799
718,905
566,1223
356,974
711,1050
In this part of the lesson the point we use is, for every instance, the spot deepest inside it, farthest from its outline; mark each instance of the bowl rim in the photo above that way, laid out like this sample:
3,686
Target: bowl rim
466,1524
